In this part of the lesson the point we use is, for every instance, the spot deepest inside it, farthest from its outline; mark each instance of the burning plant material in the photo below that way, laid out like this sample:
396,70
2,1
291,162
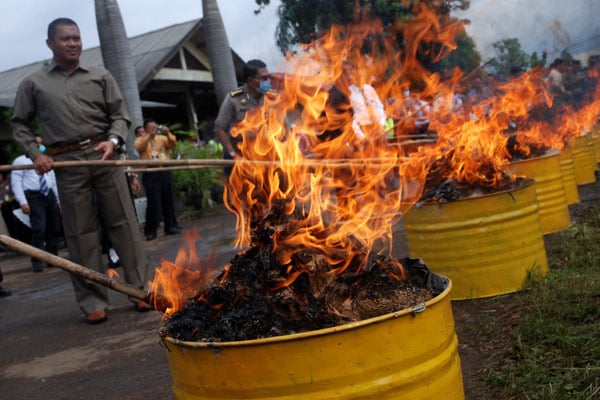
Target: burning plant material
257,297
317,236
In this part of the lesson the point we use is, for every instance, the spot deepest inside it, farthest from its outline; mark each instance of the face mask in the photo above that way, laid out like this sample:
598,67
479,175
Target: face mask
406,93
264,86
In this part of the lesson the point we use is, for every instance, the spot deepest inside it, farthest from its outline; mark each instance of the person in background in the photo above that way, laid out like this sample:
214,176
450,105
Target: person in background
83,117
139,132
154,144
16,228
257,82
38,197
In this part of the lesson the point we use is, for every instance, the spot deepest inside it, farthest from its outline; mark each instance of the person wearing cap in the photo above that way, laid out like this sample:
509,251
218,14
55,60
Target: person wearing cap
257,82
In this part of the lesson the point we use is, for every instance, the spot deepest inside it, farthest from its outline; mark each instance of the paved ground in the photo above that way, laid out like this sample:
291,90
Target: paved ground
48,351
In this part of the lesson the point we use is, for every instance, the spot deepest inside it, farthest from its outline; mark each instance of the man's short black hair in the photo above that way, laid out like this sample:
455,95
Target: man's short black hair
147,121
251,68
59,21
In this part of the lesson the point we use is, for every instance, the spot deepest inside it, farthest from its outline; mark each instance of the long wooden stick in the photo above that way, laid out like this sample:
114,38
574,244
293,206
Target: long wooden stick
197,163
74,268
207,163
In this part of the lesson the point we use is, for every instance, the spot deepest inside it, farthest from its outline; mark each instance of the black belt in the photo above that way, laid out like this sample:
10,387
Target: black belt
84,144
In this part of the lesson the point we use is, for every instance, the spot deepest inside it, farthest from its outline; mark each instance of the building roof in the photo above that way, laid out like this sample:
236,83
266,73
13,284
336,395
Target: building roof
151,52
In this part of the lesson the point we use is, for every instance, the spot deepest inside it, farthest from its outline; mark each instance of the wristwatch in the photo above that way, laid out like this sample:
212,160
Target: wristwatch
116,141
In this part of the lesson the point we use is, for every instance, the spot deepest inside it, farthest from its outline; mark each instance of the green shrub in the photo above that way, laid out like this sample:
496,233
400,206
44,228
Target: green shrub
198,181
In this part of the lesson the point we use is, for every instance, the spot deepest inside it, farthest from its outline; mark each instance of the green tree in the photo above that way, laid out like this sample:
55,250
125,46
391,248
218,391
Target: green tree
466,57
303,21
510,57
116,54
536,61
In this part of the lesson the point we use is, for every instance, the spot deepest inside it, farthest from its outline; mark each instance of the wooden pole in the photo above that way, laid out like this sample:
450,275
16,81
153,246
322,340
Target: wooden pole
196,163
74,268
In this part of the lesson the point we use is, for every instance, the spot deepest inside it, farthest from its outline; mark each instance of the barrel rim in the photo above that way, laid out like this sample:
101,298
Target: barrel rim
415,310
549,153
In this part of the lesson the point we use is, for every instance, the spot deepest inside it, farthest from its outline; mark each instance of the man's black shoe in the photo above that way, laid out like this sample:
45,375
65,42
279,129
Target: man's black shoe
150,236
176,230
4,292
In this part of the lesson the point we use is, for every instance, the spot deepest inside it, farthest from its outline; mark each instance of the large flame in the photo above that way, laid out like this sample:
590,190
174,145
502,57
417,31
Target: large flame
317,156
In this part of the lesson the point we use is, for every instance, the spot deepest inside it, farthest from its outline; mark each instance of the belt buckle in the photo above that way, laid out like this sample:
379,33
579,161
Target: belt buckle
85,144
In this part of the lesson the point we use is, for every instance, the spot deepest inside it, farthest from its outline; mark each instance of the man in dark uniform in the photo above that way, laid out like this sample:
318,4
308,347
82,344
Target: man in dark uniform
83,117
257,82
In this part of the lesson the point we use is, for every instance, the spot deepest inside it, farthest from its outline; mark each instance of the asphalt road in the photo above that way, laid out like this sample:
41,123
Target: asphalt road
49,351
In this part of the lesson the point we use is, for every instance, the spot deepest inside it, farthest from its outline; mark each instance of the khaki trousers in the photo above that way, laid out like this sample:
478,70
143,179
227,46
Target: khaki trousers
79,188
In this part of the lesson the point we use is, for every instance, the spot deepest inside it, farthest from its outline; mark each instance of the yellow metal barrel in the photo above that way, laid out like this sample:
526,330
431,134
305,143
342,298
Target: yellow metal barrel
584,159
549,188
408,355
488,245
596,139
568,175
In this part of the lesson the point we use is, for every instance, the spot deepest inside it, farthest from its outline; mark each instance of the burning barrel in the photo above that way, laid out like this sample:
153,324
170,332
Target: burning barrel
488,245
410,354
568,175
550,192
596,139
584,159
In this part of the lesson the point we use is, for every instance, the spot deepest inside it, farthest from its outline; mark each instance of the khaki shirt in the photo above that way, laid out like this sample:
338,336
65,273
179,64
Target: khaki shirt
234,107
71,108
155,148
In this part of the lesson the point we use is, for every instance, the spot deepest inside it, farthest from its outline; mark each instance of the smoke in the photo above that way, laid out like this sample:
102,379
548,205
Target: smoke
540,25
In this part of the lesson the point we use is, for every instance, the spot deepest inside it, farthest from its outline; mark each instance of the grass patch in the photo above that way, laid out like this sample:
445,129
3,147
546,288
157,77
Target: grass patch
555,352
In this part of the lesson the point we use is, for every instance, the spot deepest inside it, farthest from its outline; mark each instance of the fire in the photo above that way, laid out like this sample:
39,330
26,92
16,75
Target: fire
320,174
112,273
186,278
334,175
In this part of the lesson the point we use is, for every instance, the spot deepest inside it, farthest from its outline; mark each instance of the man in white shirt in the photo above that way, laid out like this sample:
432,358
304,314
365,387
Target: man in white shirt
38,197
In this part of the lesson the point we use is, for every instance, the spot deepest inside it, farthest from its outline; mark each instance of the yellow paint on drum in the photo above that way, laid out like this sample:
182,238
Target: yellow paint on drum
488,245
408,355
584,159
549,188
568,176
596,139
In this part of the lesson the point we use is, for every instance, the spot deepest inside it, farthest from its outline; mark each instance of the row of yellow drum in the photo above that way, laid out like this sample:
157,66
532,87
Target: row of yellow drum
486,245
491,245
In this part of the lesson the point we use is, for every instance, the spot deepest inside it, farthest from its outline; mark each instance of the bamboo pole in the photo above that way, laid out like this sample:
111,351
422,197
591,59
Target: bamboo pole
201,163
74,268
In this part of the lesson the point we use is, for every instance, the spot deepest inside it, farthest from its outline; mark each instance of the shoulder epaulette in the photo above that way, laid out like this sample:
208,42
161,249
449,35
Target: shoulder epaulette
236,92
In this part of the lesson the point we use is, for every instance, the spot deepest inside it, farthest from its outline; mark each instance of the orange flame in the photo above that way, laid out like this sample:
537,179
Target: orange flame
322,158
112,273
333,171
186,278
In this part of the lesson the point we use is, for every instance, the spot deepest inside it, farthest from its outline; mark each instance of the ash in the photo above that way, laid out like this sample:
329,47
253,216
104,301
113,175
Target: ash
248,301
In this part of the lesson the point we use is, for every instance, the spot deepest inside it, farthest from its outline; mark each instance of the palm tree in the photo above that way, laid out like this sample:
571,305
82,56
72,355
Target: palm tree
117,57
219,52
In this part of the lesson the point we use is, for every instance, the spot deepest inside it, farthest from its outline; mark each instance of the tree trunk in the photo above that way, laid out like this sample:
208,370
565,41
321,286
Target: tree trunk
117,57
219,52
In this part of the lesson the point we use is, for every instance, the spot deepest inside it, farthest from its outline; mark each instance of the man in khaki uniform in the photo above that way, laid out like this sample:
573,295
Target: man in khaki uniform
83,117
257,82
